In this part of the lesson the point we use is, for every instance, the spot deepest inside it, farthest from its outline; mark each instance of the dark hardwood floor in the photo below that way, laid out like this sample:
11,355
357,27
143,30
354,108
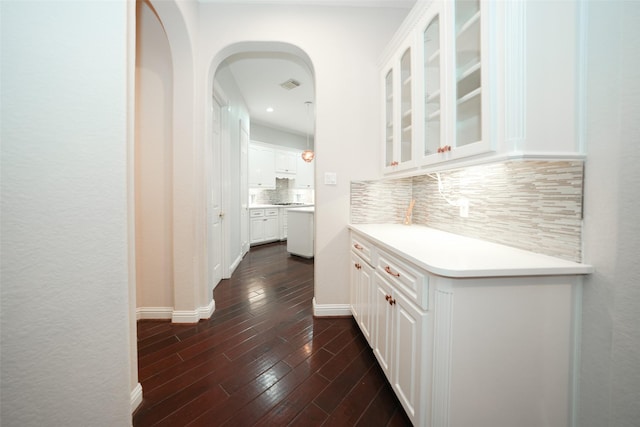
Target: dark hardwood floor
263,359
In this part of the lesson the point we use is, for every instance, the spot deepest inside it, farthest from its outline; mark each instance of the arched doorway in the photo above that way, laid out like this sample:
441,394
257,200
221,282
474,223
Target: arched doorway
240,118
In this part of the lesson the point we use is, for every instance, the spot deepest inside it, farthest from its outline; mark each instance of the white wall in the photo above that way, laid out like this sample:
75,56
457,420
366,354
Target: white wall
153,163
270,135
65,294
343,45
610,371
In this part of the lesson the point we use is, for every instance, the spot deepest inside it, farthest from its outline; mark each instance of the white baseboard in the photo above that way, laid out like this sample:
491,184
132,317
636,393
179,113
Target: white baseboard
154,313
136,397
330,310
234,265
206,312
176,316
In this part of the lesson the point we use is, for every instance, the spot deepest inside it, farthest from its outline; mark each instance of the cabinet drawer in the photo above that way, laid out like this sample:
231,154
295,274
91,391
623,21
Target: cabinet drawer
271,212
253,213
413,283
361,247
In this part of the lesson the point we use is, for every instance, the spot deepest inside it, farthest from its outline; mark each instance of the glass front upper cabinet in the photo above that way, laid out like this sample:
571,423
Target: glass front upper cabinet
432,89
389,116
406,112
468,73
399,127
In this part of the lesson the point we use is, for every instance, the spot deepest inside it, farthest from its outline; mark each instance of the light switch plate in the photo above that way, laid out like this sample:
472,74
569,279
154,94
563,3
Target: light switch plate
330,178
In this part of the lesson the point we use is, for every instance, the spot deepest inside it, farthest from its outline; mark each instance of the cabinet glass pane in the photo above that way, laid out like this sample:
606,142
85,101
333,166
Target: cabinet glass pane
405,107
432,104
468,78
388,82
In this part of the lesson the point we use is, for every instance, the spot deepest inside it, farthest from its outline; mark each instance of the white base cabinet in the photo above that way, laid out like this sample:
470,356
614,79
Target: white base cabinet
265,226
476,351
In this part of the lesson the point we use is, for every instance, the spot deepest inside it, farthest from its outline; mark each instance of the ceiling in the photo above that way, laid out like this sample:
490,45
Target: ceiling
259,75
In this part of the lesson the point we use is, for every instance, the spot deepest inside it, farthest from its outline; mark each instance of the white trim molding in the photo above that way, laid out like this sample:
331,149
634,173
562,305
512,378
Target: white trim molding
136,397
176,316
154,313
206,312
330,310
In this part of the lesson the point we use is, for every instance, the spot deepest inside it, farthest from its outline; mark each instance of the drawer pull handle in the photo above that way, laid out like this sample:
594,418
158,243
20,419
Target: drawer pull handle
358,247
388,270
392,301
358,266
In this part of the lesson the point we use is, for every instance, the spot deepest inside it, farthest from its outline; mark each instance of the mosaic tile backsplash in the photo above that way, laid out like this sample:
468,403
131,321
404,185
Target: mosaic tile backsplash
531,205
283,193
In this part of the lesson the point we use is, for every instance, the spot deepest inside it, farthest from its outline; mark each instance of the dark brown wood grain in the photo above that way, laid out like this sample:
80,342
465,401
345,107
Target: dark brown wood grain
262,359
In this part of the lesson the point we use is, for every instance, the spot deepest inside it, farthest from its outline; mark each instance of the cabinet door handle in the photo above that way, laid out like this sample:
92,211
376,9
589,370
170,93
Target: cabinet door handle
391,301
358,266
387,297
388,270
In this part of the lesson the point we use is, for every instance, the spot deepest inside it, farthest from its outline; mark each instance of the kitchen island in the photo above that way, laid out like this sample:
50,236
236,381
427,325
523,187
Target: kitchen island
300,239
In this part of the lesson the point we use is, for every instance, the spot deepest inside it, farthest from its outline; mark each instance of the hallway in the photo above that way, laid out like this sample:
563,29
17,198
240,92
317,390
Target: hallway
262,358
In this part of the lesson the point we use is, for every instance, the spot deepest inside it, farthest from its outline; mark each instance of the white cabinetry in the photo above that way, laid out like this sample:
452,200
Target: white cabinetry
286,163
401,333
399,110
482,81
304,174
283,223
362,286
264,225
384,302
262,173
491,345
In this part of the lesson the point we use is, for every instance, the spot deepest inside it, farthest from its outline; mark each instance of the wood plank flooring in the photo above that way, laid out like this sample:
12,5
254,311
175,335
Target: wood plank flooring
263,359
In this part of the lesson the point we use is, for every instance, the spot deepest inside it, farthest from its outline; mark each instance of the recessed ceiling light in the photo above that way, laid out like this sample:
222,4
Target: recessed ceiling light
269,109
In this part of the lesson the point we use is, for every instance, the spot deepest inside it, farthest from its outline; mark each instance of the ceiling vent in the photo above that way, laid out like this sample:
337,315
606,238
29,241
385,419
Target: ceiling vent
290,84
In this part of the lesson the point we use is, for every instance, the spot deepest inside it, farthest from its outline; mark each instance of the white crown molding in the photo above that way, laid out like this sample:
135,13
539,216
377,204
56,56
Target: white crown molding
331,310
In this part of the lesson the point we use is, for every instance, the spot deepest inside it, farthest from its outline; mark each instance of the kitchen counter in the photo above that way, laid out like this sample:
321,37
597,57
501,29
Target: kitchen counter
451,255
279,205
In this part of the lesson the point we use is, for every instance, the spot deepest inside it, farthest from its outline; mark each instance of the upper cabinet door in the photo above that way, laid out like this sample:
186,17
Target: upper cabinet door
399,111
432,81
455,82
469,89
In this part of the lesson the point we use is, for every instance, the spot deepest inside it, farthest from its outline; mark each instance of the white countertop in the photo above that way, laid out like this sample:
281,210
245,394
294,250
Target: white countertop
308,209
293,205
451,255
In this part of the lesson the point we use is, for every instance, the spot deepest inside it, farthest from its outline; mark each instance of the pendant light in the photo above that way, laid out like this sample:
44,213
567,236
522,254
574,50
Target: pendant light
308,154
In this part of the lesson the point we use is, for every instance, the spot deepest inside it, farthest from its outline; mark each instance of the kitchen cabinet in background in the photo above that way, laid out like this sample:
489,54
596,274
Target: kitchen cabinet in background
262,172
304,174
265,225
286,163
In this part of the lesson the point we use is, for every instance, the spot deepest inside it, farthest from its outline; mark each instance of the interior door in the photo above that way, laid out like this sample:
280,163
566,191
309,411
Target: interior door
244,188
214,201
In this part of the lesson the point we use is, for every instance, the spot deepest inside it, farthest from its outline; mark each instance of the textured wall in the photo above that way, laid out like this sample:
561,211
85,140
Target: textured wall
65,294
610,372
532,205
